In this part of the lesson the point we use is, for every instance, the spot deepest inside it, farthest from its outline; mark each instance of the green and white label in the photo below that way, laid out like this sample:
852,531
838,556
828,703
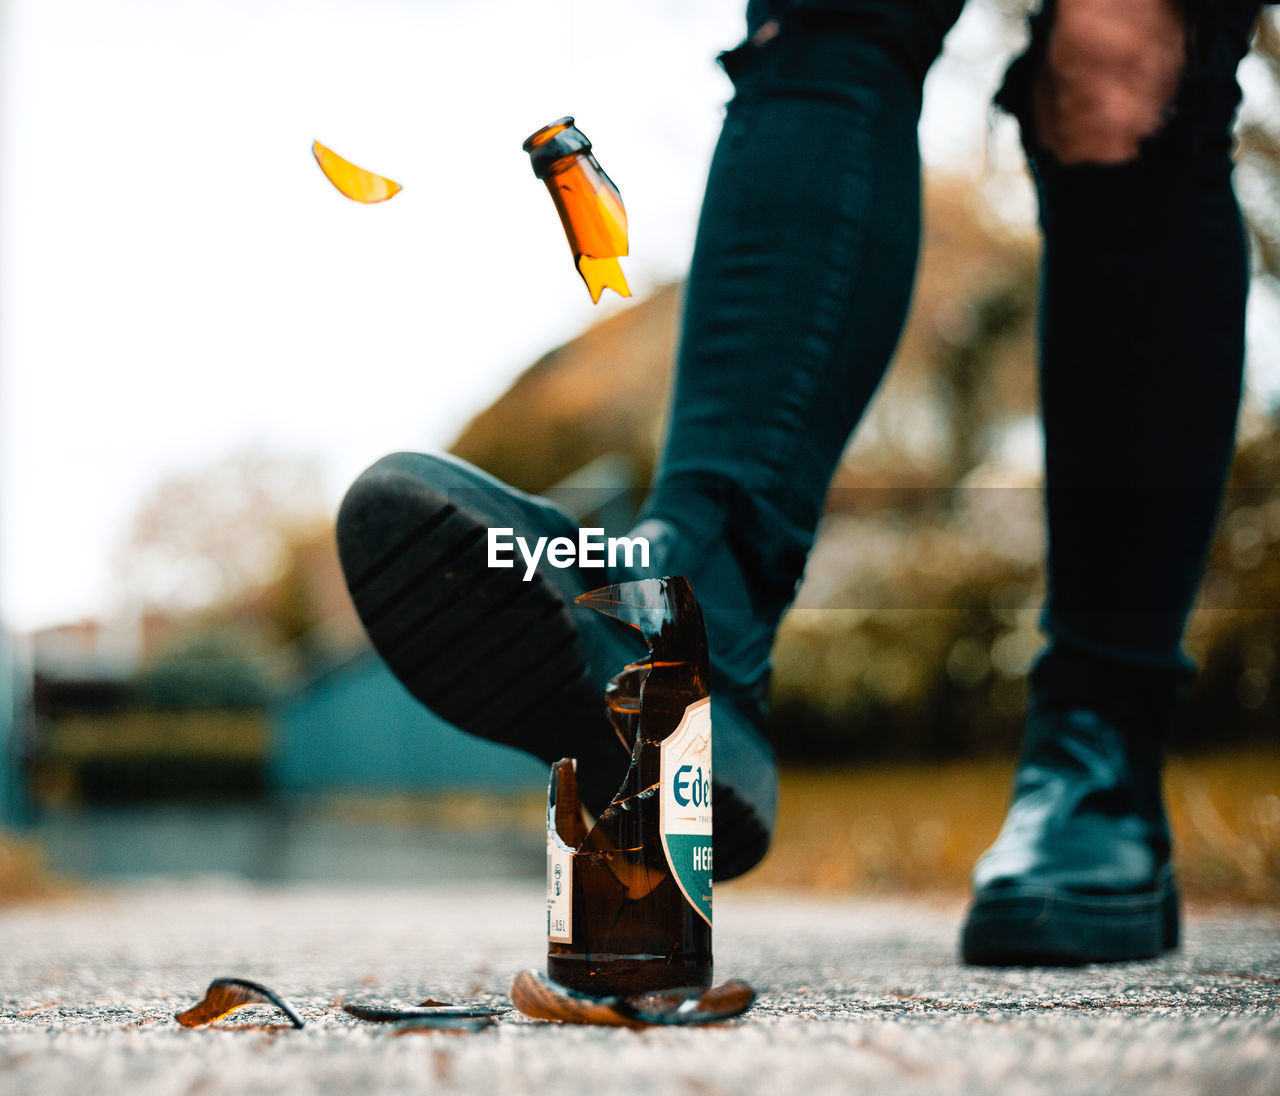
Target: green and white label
559,891
685,816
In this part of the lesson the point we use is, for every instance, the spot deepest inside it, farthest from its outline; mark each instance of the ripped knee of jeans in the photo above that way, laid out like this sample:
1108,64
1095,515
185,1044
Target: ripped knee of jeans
1155,87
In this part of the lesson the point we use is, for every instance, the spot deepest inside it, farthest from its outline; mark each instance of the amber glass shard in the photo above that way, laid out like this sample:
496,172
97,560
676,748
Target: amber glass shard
566,805
690,1005
602,274
225,995
387,1014
356,183
589,204
543,999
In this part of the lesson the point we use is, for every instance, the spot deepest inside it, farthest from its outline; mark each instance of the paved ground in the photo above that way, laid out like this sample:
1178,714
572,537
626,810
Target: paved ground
854,996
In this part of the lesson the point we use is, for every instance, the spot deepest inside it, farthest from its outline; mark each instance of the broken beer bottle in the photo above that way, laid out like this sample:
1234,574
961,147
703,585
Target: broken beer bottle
629,903
590,206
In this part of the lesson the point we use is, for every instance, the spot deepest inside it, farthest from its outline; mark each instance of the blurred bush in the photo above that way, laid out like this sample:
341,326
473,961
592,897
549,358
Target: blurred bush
884,680
1235,631
913,633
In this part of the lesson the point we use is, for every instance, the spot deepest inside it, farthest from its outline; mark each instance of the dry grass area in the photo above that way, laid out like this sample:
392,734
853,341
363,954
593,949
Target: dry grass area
24,876
919,828
878,829
874,829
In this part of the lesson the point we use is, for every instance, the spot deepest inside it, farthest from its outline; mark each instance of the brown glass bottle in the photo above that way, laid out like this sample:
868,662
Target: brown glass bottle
629,903
590,206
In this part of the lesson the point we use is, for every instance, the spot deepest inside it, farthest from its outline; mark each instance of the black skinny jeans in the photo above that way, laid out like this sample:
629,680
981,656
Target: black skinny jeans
799,285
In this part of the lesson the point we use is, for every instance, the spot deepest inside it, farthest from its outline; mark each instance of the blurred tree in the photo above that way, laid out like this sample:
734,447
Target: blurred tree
966,360
203,538
1235,635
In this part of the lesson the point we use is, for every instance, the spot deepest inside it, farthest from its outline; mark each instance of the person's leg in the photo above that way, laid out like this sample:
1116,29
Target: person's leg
799,285
1126,110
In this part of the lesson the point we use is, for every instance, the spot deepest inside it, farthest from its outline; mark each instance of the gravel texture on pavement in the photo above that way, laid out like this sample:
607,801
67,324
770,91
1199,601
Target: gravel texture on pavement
864,995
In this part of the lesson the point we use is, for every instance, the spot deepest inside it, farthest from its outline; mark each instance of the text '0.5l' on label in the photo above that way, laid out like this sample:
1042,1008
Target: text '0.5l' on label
685,819
559,892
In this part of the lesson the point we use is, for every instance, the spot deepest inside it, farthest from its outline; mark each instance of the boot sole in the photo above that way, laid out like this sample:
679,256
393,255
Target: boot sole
1043,926
498,657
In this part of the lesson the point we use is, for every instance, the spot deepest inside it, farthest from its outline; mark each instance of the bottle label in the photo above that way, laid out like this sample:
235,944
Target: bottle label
559,892
685,815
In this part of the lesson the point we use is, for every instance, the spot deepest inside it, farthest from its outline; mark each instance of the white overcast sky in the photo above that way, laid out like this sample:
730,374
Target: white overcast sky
177,280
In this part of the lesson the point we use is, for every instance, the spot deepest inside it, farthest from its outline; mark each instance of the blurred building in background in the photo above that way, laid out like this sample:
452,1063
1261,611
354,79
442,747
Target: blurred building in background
353,726
15,730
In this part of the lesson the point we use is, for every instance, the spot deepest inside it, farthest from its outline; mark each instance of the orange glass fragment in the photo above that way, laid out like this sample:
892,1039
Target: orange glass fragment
542,999
225,995
589,204
356,183
602,274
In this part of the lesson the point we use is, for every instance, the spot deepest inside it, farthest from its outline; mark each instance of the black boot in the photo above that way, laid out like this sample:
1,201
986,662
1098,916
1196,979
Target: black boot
512,661
1080,873
1142,347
